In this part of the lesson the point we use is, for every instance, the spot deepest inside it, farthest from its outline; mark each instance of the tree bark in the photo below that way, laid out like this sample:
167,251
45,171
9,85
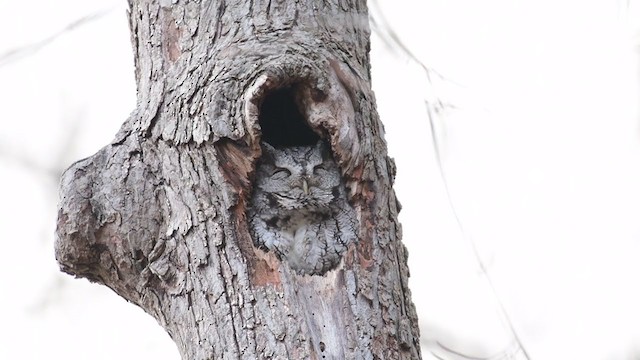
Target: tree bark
159,215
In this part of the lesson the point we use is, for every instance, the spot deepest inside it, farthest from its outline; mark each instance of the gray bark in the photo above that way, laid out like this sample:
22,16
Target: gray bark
159,215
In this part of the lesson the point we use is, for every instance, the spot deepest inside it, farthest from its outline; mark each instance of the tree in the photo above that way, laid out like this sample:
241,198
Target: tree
159,215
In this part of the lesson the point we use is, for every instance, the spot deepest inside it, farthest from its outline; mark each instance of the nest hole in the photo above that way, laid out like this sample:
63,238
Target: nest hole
282,122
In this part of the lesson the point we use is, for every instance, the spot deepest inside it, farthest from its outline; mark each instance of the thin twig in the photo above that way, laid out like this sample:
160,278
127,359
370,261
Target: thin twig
26,50
392,40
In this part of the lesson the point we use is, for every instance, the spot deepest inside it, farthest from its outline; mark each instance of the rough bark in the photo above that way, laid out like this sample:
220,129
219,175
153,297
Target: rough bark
159,215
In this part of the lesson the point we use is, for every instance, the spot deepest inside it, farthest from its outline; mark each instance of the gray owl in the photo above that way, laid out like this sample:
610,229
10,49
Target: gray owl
299,209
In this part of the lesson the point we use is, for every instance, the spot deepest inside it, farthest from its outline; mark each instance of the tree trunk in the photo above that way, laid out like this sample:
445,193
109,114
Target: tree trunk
159,215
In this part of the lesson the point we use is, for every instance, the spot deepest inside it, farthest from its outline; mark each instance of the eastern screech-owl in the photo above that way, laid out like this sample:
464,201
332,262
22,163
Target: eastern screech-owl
299,208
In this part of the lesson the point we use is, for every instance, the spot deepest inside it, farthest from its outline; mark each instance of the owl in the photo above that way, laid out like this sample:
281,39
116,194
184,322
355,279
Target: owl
299,208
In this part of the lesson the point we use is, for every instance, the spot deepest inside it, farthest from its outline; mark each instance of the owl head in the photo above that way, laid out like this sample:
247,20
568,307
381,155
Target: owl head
298,177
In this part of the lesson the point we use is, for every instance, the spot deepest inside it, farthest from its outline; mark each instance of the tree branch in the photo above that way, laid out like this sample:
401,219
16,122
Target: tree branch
26,50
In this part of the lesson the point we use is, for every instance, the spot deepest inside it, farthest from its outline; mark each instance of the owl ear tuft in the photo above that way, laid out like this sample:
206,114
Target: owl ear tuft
324,149
268,153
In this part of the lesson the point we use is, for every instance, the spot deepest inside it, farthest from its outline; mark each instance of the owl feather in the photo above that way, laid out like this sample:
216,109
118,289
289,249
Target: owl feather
299,209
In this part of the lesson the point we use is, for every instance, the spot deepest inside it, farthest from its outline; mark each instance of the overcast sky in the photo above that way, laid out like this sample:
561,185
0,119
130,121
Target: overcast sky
538,139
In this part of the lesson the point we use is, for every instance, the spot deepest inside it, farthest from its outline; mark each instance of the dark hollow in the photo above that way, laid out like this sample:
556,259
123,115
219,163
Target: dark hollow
281,121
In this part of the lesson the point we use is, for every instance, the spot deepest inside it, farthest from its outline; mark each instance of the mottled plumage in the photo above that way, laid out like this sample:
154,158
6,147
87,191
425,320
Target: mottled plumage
299,208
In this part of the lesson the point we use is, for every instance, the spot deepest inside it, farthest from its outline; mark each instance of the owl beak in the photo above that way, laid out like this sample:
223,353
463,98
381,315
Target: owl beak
305,186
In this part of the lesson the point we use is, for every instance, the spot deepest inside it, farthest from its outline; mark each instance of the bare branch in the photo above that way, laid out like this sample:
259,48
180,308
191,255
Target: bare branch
30,49
27,162
391,39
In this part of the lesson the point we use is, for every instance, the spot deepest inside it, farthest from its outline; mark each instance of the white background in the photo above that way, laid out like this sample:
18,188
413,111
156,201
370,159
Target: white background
538,138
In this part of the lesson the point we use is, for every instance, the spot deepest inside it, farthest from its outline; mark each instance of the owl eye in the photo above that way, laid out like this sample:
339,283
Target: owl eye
318,167
281,173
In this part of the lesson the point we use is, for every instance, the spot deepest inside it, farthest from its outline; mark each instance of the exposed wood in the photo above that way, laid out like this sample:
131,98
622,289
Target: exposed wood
159,215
